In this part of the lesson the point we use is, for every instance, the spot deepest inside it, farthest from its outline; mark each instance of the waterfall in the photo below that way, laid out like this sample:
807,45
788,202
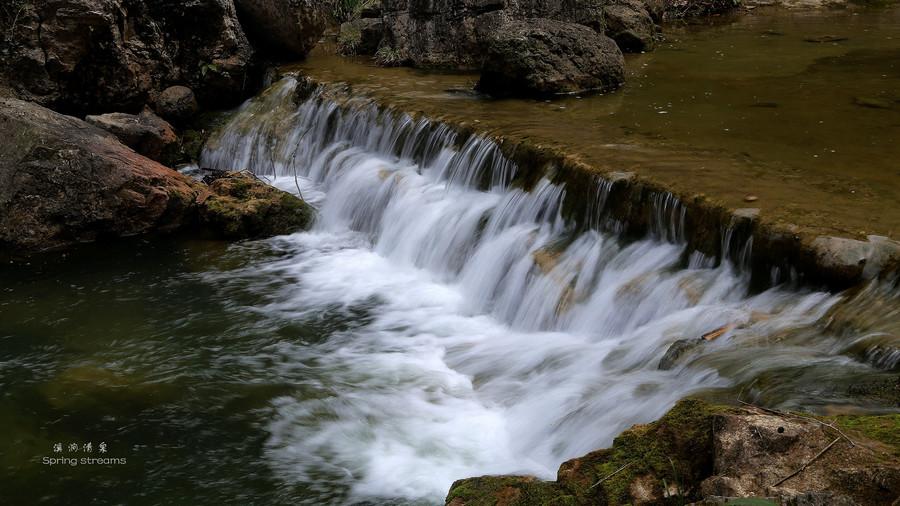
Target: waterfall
498,337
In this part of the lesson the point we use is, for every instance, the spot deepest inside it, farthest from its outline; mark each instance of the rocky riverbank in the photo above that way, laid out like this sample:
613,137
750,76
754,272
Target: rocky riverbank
704,454
144,76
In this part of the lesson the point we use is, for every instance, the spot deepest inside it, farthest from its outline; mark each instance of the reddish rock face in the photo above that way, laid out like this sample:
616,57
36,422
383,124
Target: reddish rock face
64,181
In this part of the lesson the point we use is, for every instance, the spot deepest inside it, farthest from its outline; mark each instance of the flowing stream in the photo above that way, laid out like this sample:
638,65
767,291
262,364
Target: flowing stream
498,338
439,322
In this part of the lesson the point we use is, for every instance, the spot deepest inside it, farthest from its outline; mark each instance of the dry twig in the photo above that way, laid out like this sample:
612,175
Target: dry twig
608,476
804,466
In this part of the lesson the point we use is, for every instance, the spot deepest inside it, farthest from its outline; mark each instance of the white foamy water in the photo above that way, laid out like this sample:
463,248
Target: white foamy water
495,338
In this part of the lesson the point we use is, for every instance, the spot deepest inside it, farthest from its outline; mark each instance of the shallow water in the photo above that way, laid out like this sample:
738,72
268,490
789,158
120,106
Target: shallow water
437,323
728,108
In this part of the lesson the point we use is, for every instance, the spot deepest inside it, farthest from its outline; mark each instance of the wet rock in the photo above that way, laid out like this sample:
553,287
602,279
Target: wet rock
822,39
698,452
146,133
504,490
240,206
629,24
677,350
850,260
874,102
286,28
95,56
177,104
544,57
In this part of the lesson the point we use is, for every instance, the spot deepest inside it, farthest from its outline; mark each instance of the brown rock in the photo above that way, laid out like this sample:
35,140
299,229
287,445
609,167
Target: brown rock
177,104
64,181
146,133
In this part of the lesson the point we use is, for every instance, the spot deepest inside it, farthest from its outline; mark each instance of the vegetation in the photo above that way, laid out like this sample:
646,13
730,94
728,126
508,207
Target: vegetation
11,12
680,9
387,56
347,10
349,39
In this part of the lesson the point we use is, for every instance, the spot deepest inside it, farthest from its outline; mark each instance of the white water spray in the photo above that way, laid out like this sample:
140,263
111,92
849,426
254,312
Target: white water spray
498,339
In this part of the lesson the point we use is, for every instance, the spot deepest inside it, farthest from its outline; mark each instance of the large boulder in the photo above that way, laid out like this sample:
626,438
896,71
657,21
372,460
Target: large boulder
544,57
451,33
95,56
146,133
286,28
64,181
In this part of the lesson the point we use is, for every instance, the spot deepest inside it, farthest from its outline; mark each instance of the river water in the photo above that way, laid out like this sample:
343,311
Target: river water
437,323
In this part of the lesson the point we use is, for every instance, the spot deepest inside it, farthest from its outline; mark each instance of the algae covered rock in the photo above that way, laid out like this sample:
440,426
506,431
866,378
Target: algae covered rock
239,206
700,452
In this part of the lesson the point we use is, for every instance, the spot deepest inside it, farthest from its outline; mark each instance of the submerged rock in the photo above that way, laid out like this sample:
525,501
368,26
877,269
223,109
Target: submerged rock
545,57
289,28
146,133
677,350
64,181
698,452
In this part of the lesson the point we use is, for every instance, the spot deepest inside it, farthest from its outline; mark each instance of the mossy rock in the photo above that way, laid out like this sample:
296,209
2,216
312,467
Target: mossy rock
669,457
507,491
242,207
882,428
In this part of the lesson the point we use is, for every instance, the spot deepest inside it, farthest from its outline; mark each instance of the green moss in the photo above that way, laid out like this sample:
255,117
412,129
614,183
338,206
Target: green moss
676,450
882,428
507,491
199,131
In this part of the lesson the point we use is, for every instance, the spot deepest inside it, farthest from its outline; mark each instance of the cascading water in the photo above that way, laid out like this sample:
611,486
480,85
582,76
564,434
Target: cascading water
493,337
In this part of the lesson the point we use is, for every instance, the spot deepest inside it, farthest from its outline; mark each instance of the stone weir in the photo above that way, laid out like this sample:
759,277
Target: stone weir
627,203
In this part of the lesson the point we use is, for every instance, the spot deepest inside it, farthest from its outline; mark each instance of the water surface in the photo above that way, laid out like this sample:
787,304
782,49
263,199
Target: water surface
437,323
